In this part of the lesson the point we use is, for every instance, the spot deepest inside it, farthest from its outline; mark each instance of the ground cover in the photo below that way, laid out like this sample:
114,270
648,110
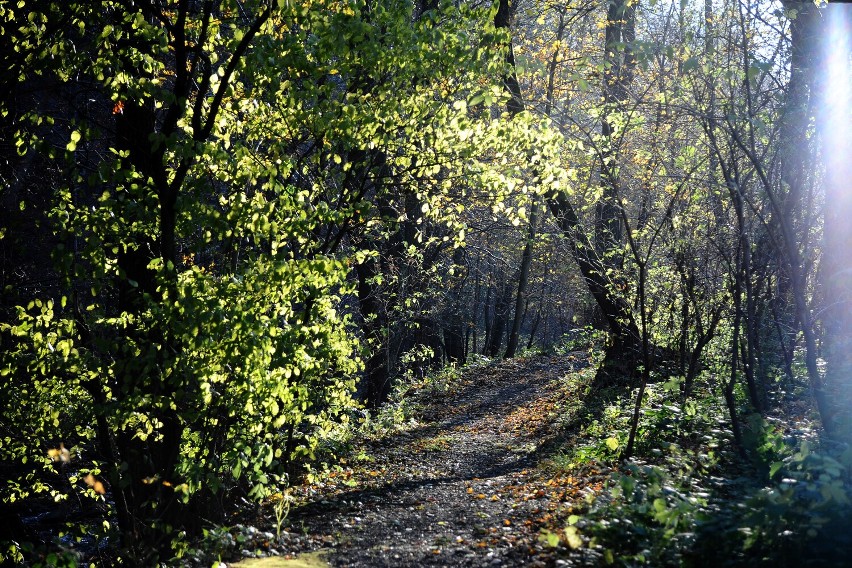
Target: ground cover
516,463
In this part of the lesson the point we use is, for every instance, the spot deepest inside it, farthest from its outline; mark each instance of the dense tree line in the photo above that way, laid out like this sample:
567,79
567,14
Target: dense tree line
228,224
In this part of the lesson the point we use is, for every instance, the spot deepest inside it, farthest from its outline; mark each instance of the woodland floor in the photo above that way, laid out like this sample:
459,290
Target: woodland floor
460,486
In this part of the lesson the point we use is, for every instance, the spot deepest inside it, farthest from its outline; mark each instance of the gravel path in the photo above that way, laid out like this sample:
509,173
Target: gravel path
461,489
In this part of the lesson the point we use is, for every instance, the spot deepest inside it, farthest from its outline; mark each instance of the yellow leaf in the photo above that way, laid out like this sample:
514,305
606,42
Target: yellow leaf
59,454
95,484
572,535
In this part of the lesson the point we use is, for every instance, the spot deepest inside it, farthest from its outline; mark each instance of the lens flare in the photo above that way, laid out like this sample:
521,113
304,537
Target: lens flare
837,84
835,126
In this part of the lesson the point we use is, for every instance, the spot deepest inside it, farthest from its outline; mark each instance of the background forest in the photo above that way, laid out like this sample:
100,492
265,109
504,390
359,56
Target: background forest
231,229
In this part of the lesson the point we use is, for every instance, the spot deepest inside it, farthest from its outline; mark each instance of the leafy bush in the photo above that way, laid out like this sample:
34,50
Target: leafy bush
259,380
802,514
792,510
647,516
651,510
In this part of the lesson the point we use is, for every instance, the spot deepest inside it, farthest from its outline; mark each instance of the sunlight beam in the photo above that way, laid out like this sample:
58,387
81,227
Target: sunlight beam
834,125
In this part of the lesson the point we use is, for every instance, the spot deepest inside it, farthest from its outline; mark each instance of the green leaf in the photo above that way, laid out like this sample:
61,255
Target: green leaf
773,469
552,539
612,443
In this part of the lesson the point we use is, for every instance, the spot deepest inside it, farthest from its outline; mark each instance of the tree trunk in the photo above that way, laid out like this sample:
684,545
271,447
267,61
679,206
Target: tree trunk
618,74
502,304
373,314
523,280
487,318
473,324
456,317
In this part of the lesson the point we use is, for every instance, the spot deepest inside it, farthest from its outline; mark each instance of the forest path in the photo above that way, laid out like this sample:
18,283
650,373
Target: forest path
461,487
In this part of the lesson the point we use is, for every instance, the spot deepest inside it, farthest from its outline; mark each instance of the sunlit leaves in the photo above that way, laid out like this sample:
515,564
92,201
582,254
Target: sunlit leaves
279,168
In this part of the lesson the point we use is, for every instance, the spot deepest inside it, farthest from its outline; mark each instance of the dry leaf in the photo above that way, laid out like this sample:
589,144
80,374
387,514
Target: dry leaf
95,484
61,454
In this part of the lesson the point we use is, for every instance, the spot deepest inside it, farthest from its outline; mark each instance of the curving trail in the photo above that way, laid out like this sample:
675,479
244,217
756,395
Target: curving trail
460,489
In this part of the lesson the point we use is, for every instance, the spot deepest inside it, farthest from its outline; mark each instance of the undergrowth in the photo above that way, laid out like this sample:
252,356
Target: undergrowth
690,498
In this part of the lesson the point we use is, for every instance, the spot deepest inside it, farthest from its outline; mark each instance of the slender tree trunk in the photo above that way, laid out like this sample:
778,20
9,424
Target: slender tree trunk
502,303
729,384
526,259
523,280
618,75
488,319
750,322
375,328
454,331
646,358
473,324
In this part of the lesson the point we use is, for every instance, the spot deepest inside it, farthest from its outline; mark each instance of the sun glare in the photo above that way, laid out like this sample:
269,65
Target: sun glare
838,84
835,118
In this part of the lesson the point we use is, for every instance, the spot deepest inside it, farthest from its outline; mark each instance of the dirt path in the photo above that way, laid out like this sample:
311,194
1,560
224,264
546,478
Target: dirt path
459,490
